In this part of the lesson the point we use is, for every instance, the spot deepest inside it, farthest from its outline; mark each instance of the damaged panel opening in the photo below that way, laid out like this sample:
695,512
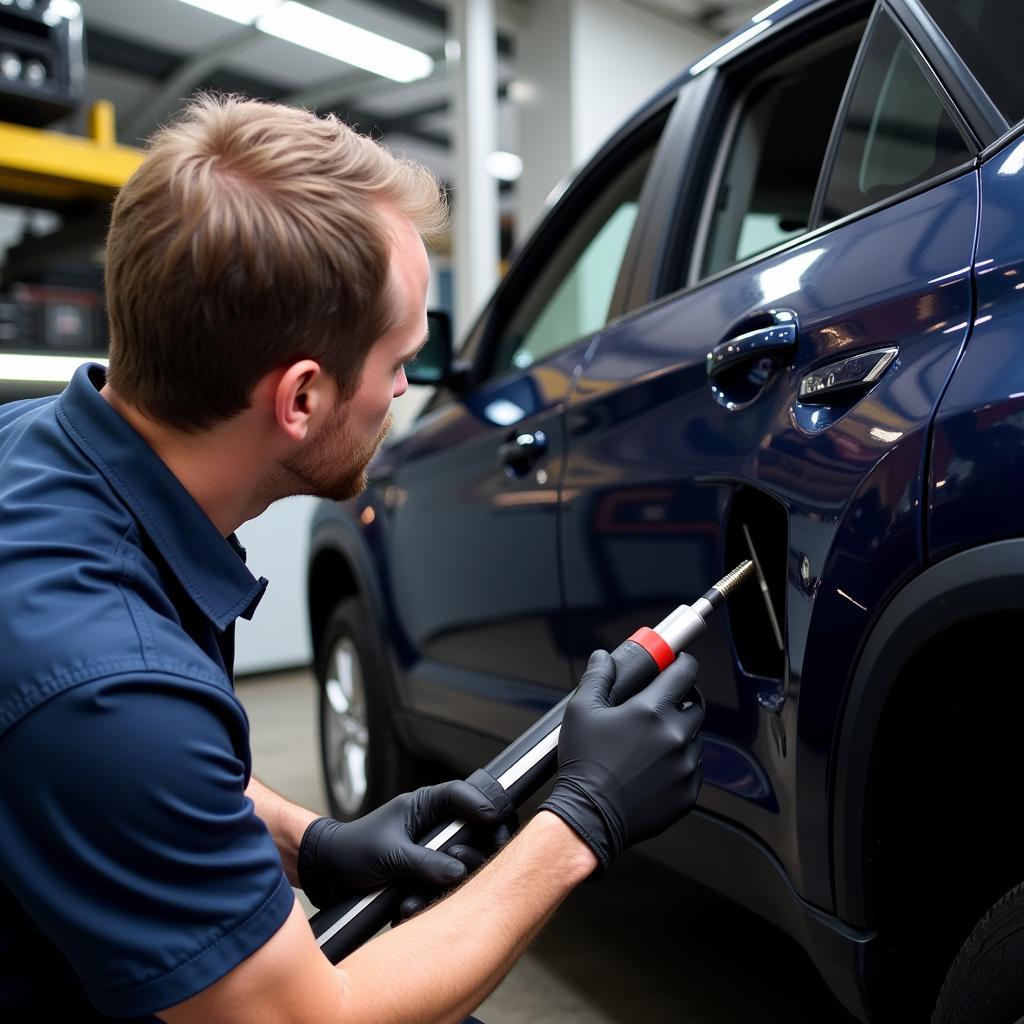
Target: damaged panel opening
757,520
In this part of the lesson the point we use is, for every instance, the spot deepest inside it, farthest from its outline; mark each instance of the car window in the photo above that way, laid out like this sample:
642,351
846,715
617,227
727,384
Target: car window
775,150
571,294
989,36
896,132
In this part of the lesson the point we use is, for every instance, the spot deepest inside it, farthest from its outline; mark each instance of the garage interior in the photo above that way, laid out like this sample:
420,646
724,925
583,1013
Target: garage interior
503,100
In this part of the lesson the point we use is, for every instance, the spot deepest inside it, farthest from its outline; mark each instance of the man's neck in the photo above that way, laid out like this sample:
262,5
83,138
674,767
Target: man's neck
215,466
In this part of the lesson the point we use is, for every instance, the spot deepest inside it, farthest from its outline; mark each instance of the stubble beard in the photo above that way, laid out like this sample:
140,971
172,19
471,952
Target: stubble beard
334,466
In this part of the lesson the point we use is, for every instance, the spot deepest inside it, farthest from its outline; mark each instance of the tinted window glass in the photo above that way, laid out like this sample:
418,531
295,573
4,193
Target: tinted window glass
776,152
989,35
896,134
571,295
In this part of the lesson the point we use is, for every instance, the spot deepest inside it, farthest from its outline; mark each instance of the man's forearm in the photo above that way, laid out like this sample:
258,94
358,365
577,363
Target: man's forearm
443,963
285,821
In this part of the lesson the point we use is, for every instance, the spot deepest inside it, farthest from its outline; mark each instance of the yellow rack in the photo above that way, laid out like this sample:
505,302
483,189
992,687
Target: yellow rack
50,165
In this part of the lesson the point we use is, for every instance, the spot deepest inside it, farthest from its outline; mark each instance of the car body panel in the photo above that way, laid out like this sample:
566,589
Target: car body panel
978,459
655,460
473,560
494,589
973,583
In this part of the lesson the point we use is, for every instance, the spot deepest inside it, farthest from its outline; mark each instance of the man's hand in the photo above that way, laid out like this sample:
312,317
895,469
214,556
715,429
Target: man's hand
626,773
337,859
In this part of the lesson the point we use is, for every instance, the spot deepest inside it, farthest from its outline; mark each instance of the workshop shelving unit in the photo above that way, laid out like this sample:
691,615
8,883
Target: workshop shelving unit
46,330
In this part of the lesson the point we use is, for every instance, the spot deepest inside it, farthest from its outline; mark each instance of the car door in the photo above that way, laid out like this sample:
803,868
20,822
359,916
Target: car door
838,222
474,569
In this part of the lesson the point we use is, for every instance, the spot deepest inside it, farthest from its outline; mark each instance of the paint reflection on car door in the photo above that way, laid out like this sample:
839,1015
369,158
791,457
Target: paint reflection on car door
475,572
665,465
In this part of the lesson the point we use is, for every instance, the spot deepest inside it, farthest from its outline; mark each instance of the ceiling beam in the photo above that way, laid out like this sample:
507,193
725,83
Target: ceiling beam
129,55
334,96
119,53
180,77
417,10
374,124
436,16
353,85
144,116
189,75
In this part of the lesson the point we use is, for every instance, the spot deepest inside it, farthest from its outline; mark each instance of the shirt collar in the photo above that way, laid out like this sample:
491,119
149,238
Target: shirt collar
209,566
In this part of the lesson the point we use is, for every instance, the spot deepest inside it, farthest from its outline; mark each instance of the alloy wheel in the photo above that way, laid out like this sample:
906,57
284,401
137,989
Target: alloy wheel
346,732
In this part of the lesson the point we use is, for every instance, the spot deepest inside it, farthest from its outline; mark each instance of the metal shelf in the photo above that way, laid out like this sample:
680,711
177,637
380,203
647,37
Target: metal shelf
52,166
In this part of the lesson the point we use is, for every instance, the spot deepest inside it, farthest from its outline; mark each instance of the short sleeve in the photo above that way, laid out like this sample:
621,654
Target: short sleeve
129,840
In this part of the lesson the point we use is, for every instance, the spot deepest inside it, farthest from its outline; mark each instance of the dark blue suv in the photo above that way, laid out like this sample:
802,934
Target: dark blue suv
784,306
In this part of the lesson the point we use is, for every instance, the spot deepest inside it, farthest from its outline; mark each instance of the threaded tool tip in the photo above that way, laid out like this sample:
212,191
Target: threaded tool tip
731,580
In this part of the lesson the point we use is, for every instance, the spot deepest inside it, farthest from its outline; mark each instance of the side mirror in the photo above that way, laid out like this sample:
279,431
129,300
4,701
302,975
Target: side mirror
433,365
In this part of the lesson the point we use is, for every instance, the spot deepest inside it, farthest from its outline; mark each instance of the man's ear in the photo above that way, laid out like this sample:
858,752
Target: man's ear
299,397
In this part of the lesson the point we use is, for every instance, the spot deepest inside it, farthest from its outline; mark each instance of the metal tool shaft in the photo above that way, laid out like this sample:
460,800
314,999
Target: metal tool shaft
531,760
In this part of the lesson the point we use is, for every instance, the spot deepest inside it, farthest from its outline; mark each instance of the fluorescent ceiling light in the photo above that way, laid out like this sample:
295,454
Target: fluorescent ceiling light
335,38
55,369
504,166
245,12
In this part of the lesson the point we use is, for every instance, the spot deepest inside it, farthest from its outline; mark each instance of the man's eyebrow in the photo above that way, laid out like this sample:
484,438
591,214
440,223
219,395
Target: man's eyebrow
416,351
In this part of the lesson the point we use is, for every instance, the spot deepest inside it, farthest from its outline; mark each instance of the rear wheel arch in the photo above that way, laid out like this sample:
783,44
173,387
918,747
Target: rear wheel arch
342,591
928,827
331,579
968,585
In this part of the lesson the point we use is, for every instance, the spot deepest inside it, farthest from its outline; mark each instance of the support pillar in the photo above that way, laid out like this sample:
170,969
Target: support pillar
476,236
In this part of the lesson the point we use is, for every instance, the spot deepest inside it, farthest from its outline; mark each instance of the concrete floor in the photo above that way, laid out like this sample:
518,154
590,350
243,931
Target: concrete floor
643,945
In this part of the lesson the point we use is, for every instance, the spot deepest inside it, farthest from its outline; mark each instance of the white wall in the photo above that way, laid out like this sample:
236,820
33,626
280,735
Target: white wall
545,81
622,55
276,545
585,66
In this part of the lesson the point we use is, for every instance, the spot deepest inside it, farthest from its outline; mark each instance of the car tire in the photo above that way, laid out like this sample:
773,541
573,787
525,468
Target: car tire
363,762
985,985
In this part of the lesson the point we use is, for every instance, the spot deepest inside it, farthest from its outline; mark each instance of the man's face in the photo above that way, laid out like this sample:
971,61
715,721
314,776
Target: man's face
333,462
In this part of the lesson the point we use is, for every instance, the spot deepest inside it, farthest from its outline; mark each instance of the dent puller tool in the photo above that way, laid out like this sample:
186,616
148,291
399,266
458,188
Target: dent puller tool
530,761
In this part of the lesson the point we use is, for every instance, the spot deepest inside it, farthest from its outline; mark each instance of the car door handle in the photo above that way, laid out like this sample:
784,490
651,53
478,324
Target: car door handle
847,378
519,454
778,341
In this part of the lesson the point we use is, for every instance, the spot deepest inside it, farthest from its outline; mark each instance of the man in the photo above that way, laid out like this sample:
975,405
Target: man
266,284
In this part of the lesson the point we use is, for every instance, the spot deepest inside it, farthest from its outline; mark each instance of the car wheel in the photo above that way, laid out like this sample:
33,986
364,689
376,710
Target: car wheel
362,760
985,985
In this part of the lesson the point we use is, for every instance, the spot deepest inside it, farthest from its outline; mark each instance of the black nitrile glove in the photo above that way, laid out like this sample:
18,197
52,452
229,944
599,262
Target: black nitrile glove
626,773
337,859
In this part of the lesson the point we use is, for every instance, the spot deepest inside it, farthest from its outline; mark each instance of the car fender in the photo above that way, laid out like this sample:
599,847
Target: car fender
336,530
971,583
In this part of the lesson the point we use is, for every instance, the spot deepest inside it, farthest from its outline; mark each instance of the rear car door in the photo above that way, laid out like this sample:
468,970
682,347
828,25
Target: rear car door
474,569
809,313
978,457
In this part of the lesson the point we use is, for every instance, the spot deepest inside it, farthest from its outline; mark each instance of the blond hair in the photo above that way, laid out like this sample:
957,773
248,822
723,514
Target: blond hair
251,236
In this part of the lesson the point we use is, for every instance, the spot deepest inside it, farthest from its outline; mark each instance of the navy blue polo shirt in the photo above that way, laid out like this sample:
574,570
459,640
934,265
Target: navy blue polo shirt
133,870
